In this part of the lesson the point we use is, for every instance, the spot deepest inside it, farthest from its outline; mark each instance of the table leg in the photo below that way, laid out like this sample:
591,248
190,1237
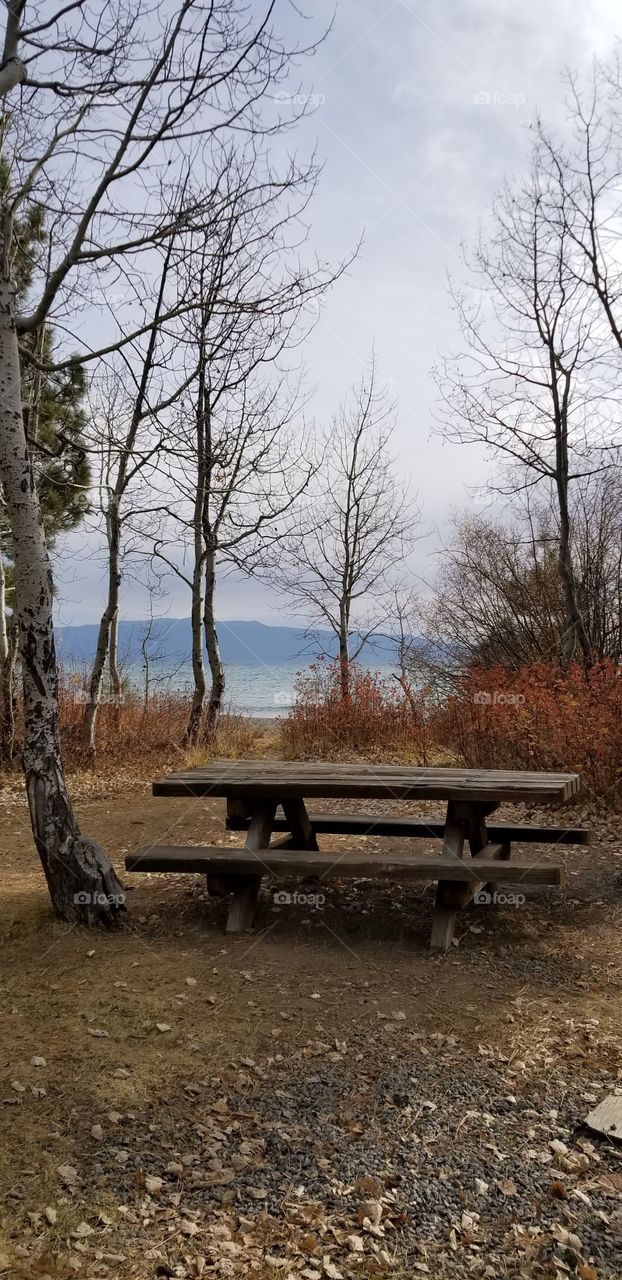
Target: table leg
303,835
444,917
465,821
246,890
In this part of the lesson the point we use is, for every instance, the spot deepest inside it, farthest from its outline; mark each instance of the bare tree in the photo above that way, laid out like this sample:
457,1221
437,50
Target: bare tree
584,170
140,89
338,565
240,468
498,598
234,456
127,433
533,383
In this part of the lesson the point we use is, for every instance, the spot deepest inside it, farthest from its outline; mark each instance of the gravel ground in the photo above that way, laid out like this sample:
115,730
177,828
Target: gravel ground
394,1153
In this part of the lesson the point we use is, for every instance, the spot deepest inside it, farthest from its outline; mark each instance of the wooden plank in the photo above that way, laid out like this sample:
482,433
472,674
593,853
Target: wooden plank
606,1118
354,865
444,915
504,856
246,893
298,819
348,824
280,780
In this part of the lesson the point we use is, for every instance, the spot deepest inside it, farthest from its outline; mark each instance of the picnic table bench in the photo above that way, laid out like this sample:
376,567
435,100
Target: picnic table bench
265,796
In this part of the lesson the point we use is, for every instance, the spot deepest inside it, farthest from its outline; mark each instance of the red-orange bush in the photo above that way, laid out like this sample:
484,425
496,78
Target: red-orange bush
539,717
374,721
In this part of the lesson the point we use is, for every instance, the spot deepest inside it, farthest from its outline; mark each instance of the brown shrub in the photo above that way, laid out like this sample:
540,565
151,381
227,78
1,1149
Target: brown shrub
375,722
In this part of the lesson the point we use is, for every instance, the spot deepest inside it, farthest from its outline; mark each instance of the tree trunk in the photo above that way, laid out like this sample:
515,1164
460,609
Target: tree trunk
575,634
82,883
195,720
106,637
217,691
344,655
198,670
7,667
8,708
116,682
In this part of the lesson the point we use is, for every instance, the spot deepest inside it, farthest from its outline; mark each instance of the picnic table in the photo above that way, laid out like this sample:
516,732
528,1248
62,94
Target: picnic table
265,797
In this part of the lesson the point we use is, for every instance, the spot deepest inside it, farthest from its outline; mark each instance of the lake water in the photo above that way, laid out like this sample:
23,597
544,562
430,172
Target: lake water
253,690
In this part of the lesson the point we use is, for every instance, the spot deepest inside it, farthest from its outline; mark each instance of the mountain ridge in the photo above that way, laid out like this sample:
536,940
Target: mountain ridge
241,641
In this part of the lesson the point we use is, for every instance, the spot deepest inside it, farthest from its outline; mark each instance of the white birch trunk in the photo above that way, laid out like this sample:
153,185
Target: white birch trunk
82,883
106,636
217,671
6,683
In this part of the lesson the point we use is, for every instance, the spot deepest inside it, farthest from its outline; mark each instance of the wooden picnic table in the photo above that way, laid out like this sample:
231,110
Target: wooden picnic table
268,796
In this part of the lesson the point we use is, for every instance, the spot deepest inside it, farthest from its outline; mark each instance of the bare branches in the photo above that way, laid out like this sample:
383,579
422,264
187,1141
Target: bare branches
535,382
358,525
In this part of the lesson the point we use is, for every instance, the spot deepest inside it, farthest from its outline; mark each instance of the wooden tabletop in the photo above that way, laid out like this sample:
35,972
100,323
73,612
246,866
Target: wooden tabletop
280,779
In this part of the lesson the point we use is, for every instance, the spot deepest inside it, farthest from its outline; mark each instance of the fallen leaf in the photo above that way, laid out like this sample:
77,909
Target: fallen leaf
331,1270
83,1230
188,1228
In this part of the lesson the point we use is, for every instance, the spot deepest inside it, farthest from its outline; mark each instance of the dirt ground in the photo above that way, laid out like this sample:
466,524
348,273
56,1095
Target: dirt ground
131,1061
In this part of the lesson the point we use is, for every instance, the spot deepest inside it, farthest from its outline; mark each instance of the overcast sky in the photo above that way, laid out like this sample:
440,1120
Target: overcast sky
422,110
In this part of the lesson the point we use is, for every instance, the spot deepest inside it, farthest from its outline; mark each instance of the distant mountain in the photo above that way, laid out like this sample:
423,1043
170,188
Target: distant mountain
241,642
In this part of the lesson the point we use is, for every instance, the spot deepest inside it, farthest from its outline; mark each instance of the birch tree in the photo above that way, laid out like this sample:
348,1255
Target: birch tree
236,458
339,565
241,467
102,103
